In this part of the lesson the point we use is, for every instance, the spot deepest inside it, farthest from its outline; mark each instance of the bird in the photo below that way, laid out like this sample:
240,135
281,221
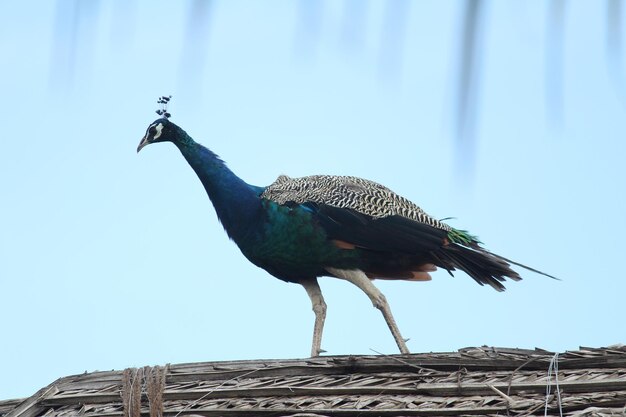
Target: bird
301,229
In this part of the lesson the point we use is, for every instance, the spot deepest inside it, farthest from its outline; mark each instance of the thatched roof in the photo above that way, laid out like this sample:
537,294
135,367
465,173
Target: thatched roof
472,381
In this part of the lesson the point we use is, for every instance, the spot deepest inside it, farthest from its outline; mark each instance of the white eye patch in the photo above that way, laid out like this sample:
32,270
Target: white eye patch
159,129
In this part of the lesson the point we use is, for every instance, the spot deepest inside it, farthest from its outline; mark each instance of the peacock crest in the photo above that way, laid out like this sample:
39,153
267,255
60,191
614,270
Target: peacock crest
164,101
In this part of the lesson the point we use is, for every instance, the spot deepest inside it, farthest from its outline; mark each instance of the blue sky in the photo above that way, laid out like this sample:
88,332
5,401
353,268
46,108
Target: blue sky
109,259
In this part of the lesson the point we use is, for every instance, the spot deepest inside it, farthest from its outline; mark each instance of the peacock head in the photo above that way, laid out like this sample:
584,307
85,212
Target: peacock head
161,130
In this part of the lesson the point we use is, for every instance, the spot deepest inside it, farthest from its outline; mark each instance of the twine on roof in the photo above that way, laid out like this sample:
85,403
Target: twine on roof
131,392
554,367
154,378
148,382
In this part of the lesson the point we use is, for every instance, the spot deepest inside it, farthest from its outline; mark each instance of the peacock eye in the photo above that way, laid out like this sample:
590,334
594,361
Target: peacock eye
152,131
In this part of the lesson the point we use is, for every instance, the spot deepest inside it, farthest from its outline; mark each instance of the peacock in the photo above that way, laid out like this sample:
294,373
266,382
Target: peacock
300,229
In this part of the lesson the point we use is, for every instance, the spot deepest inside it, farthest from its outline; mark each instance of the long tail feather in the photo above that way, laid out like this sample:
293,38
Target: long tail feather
483,266
525,267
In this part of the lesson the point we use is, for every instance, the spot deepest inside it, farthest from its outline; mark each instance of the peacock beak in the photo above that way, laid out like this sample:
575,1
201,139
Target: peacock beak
144,142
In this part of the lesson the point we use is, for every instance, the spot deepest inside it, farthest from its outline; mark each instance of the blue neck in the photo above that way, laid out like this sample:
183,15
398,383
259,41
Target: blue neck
237,203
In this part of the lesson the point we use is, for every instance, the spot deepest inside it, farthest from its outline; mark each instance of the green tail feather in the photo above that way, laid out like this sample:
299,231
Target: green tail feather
462,237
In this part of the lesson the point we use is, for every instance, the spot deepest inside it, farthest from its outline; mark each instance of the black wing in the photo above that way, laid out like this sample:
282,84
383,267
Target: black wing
400,248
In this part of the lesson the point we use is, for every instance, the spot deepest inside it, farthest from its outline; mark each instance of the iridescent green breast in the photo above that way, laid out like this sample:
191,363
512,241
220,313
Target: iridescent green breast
290,244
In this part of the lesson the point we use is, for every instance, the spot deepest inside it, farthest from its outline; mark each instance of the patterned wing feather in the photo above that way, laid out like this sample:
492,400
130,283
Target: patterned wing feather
358,194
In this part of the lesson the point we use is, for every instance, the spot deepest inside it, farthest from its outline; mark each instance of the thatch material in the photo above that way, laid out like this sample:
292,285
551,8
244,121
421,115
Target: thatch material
8,405
472,381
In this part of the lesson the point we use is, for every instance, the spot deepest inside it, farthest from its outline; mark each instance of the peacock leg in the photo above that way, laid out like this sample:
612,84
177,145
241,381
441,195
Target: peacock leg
361,280
319,308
